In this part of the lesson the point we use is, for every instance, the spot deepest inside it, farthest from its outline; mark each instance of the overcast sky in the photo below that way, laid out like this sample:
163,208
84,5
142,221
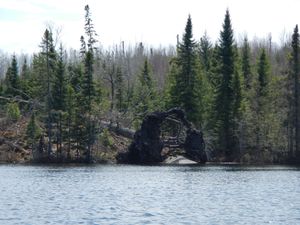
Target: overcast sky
154,22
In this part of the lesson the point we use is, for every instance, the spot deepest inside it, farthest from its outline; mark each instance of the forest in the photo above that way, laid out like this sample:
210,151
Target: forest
243,96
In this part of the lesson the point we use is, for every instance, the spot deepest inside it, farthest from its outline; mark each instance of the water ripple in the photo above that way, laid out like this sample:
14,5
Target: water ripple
149,195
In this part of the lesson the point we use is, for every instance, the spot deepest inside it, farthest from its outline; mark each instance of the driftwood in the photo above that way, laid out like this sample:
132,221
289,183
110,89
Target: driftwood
13,145
117,129
147,145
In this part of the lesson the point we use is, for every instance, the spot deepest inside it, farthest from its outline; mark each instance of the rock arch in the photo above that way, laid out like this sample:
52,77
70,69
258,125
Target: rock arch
147,145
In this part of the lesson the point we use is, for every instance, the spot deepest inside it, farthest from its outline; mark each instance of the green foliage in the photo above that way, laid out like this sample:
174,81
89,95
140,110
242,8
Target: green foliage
263,73
106,138
205,52
246,66
87,88
12,79
225,99
59,84
33,131
294,110
13,111
89,29
241,106
145,95
186,79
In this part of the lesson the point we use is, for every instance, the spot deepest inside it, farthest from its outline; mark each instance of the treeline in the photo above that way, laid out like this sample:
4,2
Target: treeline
243,96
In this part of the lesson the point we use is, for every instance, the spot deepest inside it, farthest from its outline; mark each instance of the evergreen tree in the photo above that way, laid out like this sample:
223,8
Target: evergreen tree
295,68
70,101
185,89
12,78
225,90
88,88
263,73
246,67
76,112
262,100
59,83
83,47
24,77
205,51
33,132
89,29
25,70
49,53
37,81
59,97
145,94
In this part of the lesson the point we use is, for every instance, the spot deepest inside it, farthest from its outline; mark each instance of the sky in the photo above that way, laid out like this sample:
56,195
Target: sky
154,22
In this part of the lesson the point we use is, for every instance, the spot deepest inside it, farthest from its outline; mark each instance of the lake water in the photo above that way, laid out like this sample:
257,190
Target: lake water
172,195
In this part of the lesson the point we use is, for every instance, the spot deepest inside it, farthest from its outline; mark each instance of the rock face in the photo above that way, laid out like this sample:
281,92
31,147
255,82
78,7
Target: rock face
194,146
147,145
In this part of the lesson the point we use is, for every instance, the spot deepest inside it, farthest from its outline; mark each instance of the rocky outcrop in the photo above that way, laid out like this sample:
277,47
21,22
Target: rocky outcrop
147,146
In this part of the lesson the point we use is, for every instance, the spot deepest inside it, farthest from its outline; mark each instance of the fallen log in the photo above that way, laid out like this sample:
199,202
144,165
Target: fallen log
20,100
14,146
125,132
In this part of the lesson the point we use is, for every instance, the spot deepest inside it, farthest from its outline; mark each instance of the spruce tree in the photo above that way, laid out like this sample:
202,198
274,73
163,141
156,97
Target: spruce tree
49,54
225,90
70,101
145,94
263,109
263,73
88,88
24,77
33,132
59,97
59,83
295,73
186,88
246,66
12,78
205,51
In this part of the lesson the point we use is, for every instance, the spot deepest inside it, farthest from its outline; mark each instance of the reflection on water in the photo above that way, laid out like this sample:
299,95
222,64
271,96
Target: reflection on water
229,194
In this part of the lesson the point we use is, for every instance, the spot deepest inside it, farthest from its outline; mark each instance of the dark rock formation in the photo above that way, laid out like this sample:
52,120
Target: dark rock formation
147,145
194,146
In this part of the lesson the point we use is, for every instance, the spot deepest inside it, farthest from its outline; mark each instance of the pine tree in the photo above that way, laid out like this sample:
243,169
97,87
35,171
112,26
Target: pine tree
225,90
205,51
185,89
12,78
76,112
70,101
88,88
295,68
263,73
145,94
59,97
59,83
24,77
82,47
262,100
25,70
246,67
49,53
33,132
89,29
